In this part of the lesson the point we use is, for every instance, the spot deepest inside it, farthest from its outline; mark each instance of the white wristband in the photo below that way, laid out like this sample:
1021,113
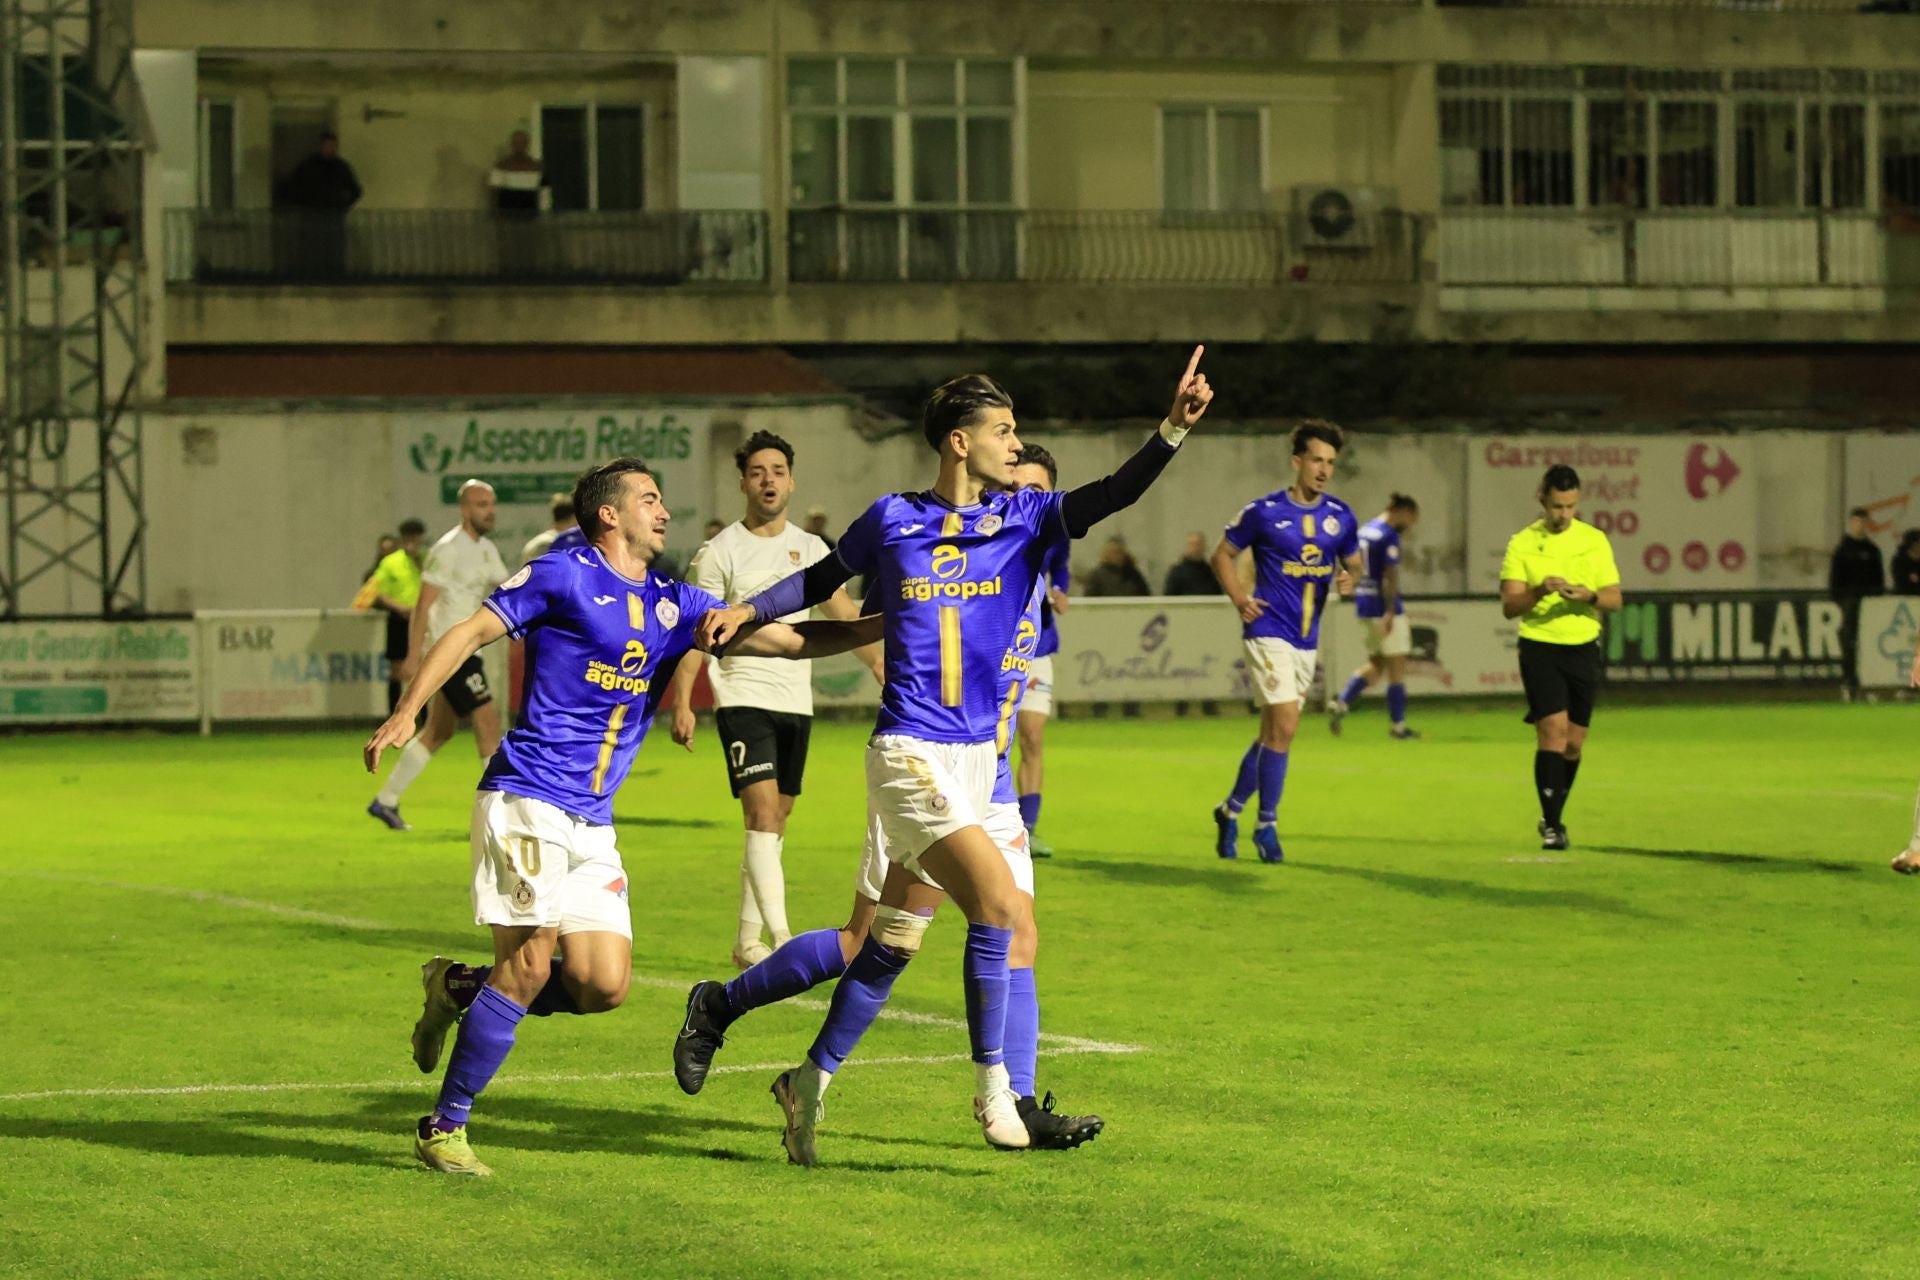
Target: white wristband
1171,434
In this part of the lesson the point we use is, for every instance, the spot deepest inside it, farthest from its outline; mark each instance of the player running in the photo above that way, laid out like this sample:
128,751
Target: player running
764,709
821,955
460,569
1382,611
955,567
1034,467
604,635
1558,577
1297,536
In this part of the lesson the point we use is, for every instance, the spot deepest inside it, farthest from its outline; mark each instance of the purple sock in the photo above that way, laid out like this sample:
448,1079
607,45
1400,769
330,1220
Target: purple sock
806,961
1023,1031
1245,781
464,984
486,1037
1030,811
985,969
1356,687
1273,779
857,1001
1397,703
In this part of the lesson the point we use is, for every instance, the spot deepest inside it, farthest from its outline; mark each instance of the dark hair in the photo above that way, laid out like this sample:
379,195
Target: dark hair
954,402
1862,512
600,487
1401,502
1317,429
1908,538
755,443
1560,478
562,507
413,526
1033,455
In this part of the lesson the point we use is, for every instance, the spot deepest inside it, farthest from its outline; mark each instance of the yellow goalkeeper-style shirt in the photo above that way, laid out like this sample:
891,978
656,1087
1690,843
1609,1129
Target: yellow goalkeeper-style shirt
398,576
1582,555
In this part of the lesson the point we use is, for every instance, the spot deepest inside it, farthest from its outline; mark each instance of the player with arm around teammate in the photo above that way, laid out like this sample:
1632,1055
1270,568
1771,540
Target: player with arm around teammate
1300,537
955,568
603,636
1559,578
1382,612
763,709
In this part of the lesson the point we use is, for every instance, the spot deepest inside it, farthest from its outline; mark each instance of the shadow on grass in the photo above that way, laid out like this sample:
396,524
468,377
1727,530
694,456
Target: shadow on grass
633,820
1490,895
377,1133
1211,873
1746,861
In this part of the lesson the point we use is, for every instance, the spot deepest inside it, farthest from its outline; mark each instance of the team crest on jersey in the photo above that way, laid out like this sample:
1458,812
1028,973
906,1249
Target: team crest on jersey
668,613
522,896
1332,525
793,556
988,525
939,802
519,579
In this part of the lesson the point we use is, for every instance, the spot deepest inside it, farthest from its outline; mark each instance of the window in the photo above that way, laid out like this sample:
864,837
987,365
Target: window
217,153
594,156
1211,159
901,168
1900,156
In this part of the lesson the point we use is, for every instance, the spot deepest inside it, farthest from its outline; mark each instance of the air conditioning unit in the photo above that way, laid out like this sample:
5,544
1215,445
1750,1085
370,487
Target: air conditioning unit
1339,215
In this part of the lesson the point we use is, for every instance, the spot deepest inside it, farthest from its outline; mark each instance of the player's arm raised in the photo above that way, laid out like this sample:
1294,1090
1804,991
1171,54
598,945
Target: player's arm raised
461,642
1225,564
840,608
1091,503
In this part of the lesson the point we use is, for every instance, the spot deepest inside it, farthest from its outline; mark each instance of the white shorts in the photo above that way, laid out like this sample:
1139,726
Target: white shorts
1397,643
534,865
1039,695
1003,826
919,792
1280,673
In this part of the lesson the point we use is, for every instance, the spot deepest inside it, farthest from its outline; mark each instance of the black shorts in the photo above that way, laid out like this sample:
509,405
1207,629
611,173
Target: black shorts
1560,677
466,690
763,746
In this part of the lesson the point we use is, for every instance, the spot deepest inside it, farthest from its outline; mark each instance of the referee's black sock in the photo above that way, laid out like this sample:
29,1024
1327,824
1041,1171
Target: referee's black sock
1573,771
1550,780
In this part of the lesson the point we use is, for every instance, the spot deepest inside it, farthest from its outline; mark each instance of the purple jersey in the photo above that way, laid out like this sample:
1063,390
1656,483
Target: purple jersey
568,540
1295,552
1027,638
1056,575
955,583
1380,551
601,649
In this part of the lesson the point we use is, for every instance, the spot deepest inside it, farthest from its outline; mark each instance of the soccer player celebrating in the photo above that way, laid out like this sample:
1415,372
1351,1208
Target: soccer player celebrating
1908,862
820,955
1558,578
604,635
955,568
764,708
460,569
1383,615
1034,469
1297,536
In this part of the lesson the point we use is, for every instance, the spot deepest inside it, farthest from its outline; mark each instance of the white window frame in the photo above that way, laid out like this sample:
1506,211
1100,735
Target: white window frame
1261,112
592,107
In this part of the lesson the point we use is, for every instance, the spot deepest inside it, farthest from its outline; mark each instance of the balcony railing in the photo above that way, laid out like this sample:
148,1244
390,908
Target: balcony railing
1725,249
1082,247
438,246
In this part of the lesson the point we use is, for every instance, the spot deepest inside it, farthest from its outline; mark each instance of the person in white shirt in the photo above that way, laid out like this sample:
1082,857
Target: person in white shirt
763,706
562,521
457,575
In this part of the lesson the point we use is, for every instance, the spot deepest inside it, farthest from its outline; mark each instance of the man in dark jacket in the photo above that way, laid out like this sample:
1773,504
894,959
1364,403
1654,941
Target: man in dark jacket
319,190
1855,573
1906,565
1192,575
1116,574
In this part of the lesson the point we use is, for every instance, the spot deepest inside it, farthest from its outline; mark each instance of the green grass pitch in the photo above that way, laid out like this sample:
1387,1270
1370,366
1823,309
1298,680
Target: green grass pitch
1420,1048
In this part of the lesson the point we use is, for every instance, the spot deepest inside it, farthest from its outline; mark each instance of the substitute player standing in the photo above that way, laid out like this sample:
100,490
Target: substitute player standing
1297,537
603,637
1382,611
1558,577
1036,469
459,571
764,707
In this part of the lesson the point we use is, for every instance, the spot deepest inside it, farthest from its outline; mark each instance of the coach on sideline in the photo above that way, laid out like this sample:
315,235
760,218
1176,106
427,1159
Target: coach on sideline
1558,577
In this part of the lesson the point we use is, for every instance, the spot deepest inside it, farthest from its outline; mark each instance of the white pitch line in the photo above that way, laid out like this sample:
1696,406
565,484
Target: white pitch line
585,1077
219,899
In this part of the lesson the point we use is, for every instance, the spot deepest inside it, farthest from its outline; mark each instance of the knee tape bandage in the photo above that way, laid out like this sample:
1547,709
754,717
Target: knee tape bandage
899,930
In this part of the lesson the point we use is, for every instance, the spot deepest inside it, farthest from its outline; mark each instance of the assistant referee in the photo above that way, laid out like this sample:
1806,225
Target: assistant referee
1558,577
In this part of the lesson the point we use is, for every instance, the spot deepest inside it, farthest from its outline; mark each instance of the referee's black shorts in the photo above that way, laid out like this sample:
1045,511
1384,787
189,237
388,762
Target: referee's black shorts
1560,677
764,746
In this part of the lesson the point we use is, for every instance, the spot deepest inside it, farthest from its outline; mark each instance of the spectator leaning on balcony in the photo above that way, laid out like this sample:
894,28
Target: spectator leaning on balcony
517,180
1856,572
322,188
1116,574
1905,567
1191,575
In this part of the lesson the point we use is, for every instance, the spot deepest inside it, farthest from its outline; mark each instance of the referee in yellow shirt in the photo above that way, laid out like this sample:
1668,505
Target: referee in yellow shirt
396,584
1558,577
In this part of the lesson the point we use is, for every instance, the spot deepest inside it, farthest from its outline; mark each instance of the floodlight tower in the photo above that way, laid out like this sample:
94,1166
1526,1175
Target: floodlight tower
72,151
